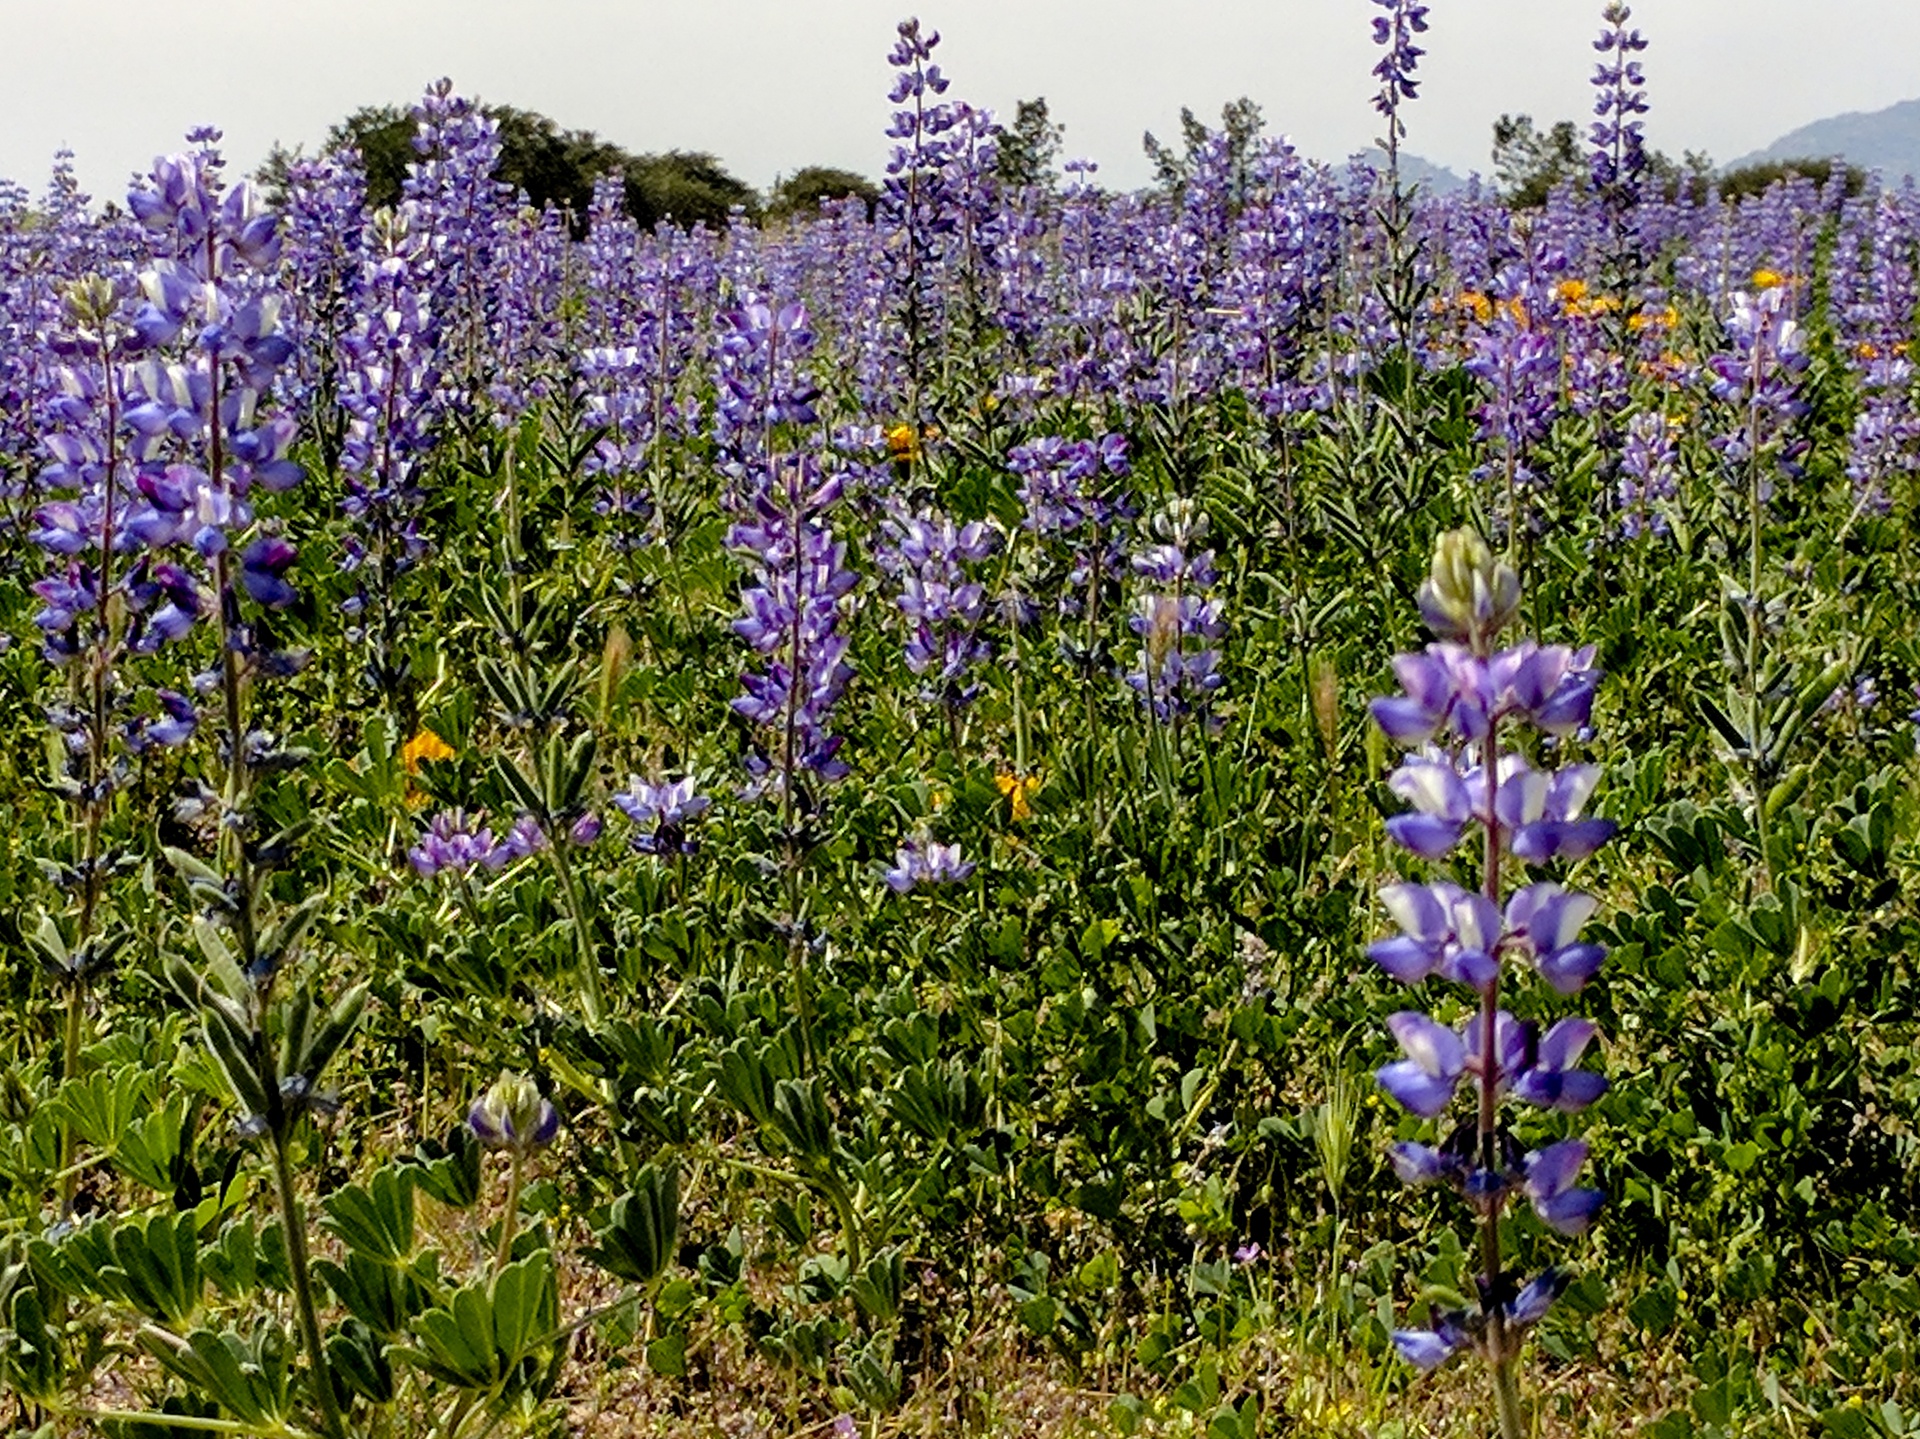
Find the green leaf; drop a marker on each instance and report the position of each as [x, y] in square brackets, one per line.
[638, 1240]
[376, 1221]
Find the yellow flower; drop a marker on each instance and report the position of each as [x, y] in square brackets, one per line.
[1019, 790]
[1664, 318]
[424, 747]
[1476, 305]
[1570, 292]
[902, 444]
[1768, 279]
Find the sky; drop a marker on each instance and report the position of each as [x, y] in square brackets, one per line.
[771, 85]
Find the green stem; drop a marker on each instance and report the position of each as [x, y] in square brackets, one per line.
[69, 1071]
[1756, 760]
[509, 1221]
[94, 1417]
[294, 1223]
[849, 1224]
[591, 992]
[1506, 1398]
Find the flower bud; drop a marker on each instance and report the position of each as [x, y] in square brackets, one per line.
[1470, 595]
[514, 1115]
[90, 302]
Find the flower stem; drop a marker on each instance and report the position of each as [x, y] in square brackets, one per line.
[591, 993]
[1506, 1398]
[509, 1219]
[293, 1221]
[1757, 761]
[1493, 1295]
[69, 1071]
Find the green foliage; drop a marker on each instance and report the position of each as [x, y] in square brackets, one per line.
[685, 187]
[800, 195]
[552, 165]
[1528, 164]
[1241, 122]
[1750, 180]
[637, 1242]
[1029, 148]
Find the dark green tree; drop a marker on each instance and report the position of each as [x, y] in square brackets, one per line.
[545, 162]
[687, 187]
[383, 134]
[1758, 179]
[552, 166]
[1529, 162]
[1029, 147]
[1242, 122]
[800, 195]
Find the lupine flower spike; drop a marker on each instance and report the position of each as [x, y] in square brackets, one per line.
[1460, 694]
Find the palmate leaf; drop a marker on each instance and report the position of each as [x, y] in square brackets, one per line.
[450, 1172]
[375, 1221]
[156, 1266]
[251, 1377]
[383, 1297]
[357, 1355]
[804, 1120]
[638, 1240]
[156, 1148]
[491, 1334]
[101, 1106]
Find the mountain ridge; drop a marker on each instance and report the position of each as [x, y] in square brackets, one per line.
[1886, 140]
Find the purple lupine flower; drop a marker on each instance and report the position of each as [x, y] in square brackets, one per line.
[1465, 693]
[456, 844]
[465, 212]
[1543, 923]
[1618, 160]
[1648, 469]
[1445, 930]
[1885, 441]
[525, 837]
[1518, 360]
[208, 330]
[799, 571]
[1394, 31]
[324, 243]
[1179, 624]
[662, 814]
[934, 561]
[1549, 1183]
[1436, 1060]
[529, 349]
[919, 862]
[390, 392]
[934, 199]
[1757, 377]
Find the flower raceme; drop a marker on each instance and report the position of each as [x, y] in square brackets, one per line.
[1459, 699]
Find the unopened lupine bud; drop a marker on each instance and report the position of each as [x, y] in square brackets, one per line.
[513, 1114]
[1470, 595]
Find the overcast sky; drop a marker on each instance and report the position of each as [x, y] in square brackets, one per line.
[770, 85]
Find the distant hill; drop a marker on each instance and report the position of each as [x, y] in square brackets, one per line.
[1885, 140]
[1437, 179]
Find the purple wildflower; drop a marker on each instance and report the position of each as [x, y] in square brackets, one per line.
[919, 862]
[662, 814]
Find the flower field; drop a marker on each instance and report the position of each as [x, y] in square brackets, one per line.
[1277, 805]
